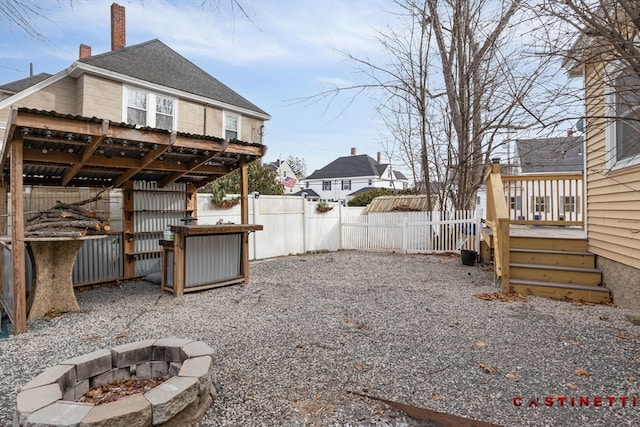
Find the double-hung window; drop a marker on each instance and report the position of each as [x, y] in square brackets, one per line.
[231, 126]
[346, 184]
[326, 185]
[143, 108]
[623, 127]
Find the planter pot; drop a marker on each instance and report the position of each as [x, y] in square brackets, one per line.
[225, 204]
[468, 257]
[324, 209]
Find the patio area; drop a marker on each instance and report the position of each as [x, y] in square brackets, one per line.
[418, 329]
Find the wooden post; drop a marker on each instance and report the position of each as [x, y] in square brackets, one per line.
[179, 260]
[244, 219]
[17, 236]
[191, 202]
[504, 248]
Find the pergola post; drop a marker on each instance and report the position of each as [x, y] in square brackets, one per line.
[17, 237]
[244, 217]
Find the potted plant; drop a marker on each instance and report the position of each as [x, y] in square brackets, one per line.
[323, 206]
[219, 197]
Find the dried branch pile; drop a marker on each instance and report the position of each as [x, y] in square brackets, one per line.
[68, 220]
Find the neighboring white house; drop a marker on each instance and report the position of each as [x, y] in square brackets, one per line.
[348, 176]
[284, 175]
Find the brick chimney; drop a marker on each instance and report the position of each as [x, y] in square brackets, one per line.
[353, 151]
[379, 157]
[85, 51]
[118, 28]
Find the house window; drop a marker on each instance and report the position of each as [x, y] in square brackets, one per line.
[306, 184]
[139, 109]
[346, 184]
[515, 203]
[326, 185]
[623, 131]
[231, 126]
[540, 203]
[568, 204]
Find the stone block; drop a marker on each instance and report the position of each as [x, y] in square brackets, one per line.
[152, 370]
[132, 353]
[171, 397]
[33, 399]
[196, 349]
[201, 368]
[121, 374]
[76, 391]
[59, 414]
[90, 364]
[64, 375]
[169, 349]
[132, 411]
[101, 379]
[174, 369]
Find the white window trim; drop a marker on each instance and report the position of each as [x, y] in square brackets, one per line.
[151, 105]
[612, 164]
[224, 123]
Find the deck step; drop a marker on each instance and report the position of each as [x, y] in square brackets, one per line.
[556, 273]
[548, 243]
[556, 290]
[553, 257]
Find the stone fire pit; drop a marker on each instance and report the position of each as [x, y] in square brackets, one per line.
[51, 398]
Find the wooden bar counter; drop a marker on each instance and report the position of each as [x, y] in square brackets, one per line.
[206, 256]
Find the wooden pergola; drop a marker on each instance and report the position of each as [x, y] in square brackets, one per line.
[46, 148]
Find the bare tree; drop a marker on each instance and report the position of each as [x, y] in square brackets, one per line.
[608, 43]
[298, 165]
[463, 77]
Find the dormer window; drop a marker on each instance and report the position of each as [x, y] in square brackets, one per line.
[143, 108]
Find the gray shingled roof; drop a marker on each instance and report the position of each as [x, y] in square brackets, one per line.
[155, 62]
[352, 166]
[548, 155]
[20, 85]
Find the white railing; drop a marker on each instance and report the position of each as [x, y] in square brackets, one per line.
[412, 232]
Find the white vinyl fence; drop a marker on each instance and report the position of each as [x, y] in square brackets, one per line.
[412, 232]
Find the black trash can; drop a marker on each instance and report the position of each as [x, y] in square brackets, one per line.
[468, 257]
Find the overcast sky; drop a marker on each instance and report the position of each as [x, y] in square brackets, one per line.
[287, 51]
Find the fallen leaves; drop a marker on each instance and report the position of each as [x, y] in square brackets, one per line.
[501, 297]
[480, 343]
[511, 376]
[120, 336]
[436, 396]
[572, 386]
[632, 378]
[582, 372]
[621, 336]
[487, 368]
[118, 389]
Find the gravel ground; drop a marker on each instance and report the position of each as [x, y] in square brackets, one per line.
[309, 329]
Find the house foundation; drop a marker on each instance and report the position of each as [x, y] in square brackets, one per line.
[622, 280]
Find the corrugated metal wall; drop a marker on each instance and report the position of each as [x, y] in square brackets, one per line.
[203, 268]
[153, 209]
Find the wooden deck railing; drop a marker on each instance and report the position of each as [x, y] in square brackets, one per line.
[498, 221]
[545, 199]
